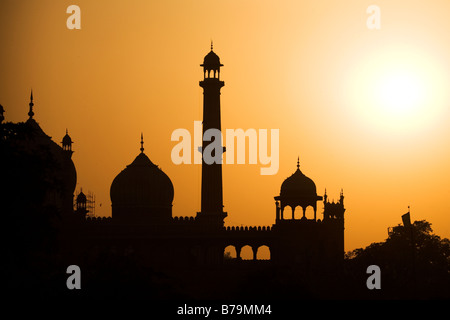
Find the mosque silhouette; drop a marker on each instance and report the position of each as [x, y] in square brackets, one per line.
[143, 228]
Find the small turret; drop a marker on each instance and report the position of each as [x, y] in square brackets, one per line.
[333, 210]
[67, 144]
[81, 204]
[211, 65]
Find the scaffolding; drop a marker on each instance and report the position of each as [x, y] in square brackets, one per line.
[90, 204]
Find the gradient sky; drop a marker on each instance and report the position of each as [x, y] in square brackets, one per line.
[311, 69]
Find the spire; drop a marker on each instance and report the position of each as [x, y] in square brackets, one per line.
[298, 163]
[142, 143]
[31, 104]
[211, 45]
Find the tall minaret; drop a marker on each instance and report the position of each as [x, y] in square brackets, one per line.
[212, 199]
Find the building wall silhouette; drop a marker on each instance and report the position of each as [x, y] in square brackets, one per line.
[142, 225]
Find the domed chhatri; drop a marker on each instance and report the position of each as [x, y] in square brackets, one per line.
[211, 60]
[67, 144]
[67, 140]
[297, 190]
[211, 65]
[81, 198]
[142, 192]
[298, 185]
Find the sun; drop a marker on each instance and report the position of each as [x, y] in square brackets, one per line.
[400, 93]
[398, 90]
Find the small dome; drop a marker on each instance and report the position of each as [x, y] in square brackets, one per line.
[81, 198]
[142, 184]
[298, 185]
[67, 140]
[211, 61]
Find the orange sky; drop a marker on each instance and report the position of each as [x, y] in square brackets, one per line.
[306, 68]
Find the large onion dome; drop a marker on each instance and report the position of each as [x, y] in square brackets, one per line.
[298, 185]
[141, 192]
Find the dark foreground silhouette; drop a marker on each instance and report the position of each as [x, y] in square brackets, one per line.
[414, 262]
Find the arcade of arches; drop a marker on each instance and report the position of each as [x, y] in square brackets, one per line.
[247, 252]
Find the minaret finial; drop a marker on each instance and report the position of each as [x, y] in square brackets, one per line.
[211, 45]
[31, 104]
[142, 143]
[298, 162]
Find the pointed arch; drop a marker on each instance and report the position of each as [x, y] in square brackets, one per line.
[247, 253]
[263, 253]
[229, 253]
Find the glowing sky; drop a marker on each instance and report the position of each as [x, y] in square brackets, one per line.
[365, 110]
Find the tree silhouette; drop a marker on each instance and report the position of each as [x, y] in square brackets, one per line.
[414, 263]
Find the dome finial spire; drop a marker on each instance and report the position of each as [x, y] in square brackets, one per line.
[142, 143]
[31, 104]
[211, 45]
[298, 162]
